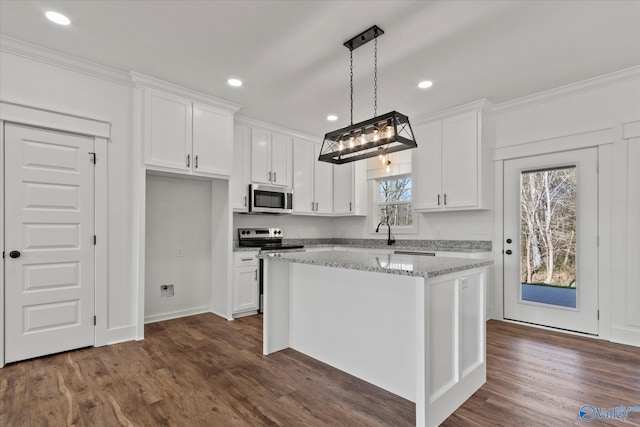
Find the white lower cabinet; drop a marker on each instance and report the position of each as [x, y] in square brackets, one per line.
[245, 284]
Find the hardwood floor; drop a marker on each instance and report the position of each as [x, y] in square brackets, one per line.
[206, 371]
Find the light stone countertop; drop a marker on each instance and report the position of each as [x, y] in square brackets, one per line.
[407, 265]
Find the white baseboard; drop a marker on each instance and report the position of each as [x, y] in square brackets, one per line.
[627, 336]
[176, 314]
[118, 335]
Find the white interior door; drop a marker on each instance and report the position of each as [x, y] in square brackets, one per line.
[550, 247]
[49, 242]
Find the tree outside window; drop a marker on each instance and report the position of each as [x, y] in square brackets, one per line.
[394, 200]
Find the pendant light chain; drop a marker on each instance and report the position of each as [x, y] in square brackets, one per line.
[375, 75]
[351, 77]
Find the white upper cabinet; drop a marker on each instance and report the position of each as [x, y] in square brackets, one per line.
[184, 136]
[271, 158]
[448, 164]
[350, 188]
[323, 184]
[241, 173]
[312, 181]
[168, 130]
[460, 161]
[303, 200]
[212, 140]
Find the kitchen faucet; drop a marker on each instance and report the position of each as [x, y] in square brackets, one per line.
[385, 221]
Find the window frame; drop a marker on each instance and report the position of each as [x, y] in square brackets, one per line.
[375, 205]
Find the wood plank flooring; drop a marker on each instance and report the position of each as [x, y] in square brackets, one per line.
[205, 371]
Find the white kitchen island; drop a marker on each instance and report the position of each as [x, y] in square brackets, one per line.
[412, 325]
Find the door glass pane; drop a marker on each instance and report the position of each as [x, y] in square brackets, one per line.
[548, 236]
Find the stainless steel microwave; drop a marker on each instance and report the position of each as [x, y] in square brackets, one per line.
[270, 199]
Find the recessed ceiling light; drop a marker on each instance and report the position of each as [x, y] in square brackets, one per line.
[332, 117]
[58, 18]
[425, 84]
[234, 82]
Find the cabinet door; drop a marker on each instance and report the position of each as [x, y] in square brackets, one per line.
[168, 130]
[245, 292]
[460, 158]
[427, 168]
[239, 182]
[281, 159]
[323, 185]
[212, 140]
[302, 177]
[260, 156]
[343, 189]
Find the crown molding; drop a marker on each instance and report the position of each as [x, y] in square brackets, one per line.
[481, 104]
[248, 121]
[142, 80]
[627, 74]
[63, 60]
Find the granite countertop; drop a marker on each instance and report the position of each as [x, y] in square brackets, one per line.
[407, 265]
[471, 246]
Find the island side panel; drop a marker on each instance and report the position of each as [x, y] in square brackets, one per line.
[276, 317]
[455, 329]
[360, 322]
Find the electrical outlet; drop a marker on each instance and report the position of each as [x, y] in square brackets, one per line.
[178, 251]
[166, 291]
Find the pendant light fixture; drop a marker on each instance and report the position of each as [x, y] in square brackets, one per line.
[378, 136]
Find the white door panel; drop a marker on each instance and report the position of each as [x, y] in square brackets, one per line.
[49, 288]
[570, 300]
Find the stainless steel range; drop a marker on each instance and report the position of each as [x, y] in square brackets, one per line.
[268, 240]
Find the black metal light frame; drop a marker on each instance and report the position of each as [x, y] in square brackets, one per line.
[381, 135]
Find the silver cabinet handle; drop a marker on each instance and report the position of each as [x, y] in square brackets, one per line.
[196, 161]
[350, 206]
[246, 259]
[275, 176]
[445, 199]
[438, 199]
[255, 275]
[312, 208]
[188, 160]
[316, 206]
[269, 176]
[245, 201]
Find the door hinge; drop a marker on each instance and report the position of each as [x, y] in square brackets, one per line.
[95, 240]
[93, 157]
[95, 320]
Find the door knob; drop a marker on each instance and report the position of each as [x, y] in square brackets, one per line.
[14, 254]
[508, 252]
[509, 240]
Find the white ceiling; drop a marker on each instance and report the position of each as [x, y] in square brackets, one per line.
[296, 71]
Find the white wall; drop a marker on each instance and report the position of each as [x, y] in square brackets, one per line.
[178, 247]
[294, 226]
[41, 84]
[574, 113]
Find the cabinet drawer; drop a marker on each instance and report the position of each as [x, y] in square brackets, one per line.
[246, 259]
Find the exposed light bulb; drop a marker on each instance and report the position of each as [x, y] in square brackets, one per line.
[363, 139]
[340, 146]
[383, 159]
